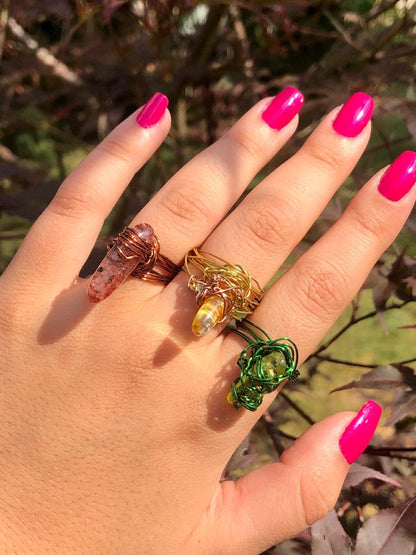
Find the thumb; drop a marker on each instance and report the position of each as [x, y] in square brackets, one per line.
[279, 500]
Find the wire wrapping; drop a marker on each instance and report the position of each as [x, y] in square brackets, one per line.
[146, 249]
[240, 292]
[255, 379]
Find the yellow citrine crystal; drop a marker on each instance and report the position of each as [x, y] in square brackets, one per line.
[210, 312]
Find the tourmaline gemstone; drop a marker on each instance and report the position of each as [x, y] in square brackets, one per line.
[115, 268]
[210, 312]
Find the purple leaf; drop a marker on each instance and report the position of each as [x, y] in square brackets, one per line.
[358, 473]
[389, 532]
[329, 537]
[384, 377]
[401, 411]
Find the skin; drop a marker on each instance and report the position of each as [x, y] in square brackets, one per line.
[115, 428]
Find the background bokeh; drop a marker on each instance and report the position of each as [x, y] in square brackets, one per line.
[71, 70]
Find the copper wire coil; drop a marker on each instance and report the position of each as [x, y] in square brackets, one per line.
[151, 265]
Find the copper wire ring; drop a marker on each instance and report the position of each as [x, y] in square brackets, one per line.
[134, 251]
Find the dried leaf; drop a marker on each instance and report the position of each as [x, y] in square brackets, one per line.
[358, 473]
[384, 377]
[329, 537]
[390, 531]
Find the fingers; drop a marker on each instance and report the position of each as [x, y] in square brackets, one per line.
[192, 203]
[275, 216]
[277, 501]
[61, 239]
[307, 299]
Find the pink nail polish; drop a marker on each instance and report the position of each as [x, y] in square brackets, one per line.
[283, 108]
[354, 115]
[360, 430]
[400, 177]
[153, 110]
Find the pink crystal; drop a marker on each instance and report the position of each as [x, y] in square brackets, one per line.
[115, 268]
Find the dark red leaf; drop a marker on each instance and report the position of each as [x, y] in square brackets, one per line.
[358, 473]
[389, 532]
[384, 377]
[329, 537]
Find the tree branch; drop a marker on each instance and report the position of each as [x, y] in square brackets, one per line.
[351, 323]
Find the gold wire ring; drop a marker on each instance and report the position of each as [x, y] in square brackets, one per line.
[223, 290]
[134, 251]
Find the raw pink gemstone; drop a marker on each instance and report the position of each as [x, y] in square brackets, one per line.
[110, 274]
[115, 268]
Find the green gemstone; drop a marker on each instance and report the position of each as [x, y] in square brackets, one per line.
[274, 364]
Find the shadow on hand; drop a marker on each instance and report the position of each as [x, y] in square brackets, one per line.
[180, 324]
[221, 415]
[67, 310]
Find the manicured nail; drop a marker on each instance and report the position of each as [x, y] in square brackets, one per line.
[283, 108]
[354, 115]
[400, 177]
[358, 433]
[153, 110]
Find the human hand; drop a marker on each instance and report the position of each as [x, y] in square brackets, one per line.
[115, 425]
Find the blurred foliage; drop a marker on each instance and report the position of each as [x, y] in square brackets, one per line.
[71, 70]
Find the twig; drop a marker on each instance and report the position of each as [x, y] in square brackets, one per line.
[4, 14]
[377, 450]
[384, 140]
[45, 57]
[341, 31]
[361, 364]
[273, 432]
[380, 9]
[296, 407]
[352, 322]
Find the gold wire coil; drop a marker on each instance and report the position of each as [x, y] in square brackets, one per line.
[223, 290]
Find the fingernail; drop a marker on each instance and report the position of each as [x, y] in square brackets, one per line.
[400, 177]
[354, 115]
[153, 110]
[358, 433]
[283, 108]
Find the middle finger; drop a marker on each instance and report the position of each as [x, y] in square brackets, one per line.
[275, 216]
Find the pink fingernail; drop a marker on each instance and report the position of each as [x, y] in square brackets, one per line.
[354, 115]
[153, 110]
[283, 108]
[400, 177]
[358, 433]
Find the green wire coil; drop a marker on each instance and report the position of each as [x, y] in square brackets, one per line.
[264, 364]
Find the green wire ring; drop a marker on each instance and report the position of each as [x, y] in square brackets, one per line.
[264, 364]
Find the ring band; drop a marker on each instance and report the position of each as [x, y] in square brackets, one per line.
[222, 290]
[134, 251]
[264, 364]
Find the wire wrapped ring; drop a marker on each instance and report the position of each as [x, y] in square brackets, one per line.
[264, 364]
[223, 290]
[134, 251]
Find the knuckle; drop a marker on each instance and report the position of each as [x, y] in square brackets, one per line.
[118, 149]
[71, 203]
[323, 157]
[321, 288]
[367, 222]
[316, 499]
[266, 225]
[246, 144]
[186, 205]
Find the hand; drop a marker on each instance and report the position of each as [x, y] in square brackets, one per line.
[115, 425]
